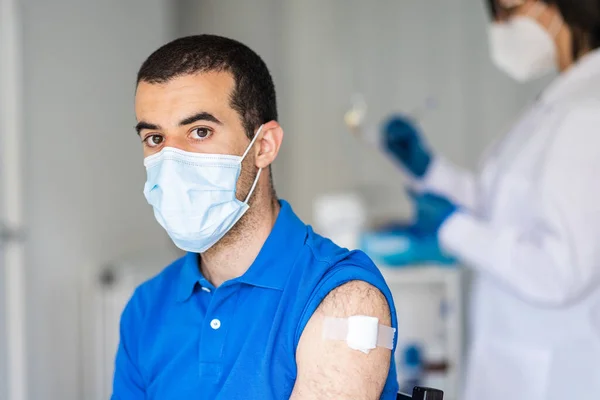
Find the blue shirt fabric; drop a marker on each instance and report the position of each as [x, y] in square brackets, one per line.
[183, 338]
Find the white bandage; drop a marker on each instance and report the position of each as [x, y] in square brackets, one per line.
[360, 332]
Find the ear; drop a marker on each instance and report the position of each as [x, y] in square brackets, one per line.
[268, 144]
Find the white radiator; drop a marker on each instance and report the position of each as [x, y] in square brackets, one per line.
[104, 297]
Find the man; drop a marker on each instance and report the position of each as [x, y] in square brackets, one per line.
[258, 307]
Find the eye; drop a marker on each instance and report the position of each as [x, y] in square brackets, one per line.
[201, 133]
[153, 140]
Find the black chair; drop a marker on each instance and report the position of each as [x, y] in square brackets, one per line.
[422, 393]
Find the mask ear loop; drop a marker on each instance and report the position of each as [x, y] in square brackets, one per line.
[259, 170]
[253, 185]
[252, 142]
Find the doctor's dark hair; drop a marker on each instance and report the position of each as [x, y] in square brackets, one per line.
[253, 96]
[582, 16]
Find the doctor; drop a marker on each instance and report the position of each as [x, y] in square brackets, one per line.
[529, 222]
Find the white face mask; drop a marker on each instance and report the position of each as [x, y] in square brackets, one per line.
[193, 195]
[522, 48]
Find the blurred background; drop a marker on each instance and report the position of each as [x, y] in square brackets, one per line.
[74, 216]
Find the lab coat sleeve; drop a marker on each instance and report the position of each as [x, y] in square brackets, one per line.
[449, 180]
[554, 257]
[128, 383]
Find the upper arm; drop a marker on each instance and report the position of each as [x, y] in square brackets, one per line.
[128, 382]
[449, 180]
[550, 255]
[329, 369]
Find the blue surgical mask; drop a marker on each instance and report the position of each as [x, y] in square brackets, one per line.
[193, 195]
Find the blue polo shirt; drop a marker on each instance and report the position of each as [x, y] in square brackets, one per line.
[182, 338]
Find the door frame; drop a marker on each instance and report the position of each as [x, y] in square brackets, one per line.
[11, 213]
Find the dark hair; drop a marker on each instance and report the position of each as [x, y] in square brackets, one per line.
[254, 94]
[582, 16]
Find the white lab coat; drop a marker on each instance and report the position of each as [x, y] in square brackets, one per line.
[531, 230]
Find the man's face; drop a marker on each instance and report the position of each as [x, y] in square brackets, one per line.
[193, 113]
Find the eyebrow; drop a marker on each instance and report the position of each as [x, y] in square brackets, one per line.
[145, 125]
[201, 116]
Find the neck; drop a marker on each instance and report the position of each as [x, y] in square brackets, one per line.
[233, 255]
[564, 47]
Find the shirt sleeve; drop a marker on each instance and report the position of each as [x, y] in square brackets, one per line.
[554, 256]
[448, 180]
[128, 383]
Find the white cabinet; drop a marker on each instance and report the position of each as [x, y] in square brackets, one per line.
[429, 305]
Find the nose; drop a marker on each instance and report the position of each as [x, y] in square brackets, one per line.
[165, 186]
[178, 142]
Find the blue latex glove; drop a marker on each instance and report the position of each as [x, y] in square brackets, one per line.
[404, 141]
[431, 211]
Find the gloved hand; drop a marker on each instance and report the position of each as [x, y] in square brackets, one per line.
[431, 211]
[403, 140]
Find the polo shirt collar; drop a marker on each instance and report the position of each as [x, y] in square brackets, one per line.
[275, 260]
[190, 276]
[271, 267]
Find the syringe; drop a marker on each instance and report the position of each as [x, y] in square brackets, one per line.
[355, 117]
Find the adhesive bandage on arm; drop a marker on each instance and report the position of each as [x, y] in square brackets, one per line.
[360, 332]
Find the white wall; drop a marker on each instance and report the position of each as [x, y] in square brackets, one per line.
[398, 53]
[84, 173]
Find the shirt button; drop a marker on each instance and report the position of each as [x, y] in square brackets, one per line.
[206, 289]
[215, 324]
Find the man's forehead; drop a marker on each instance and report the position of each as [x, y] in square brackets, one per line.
[206, 90]
[212, 83]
